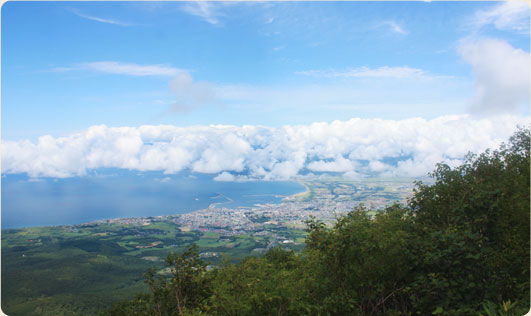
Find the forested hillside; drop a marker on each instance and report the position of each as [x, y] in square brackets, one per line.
[459, 247]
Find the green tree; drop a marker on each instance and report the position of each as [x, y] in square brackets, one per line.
[259, 286]
[360, 266]
[184, 292]
[472, 227]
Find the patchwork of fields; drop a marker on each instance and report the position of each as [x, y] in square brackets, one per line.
[77, 270]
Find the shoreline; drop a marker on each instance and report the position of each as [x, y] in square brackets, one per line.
[173, 214]
[213, 205]
[301, 195]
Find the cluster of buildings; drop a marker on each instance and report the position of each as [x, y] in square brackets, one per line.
[324, 201]
[245, 220]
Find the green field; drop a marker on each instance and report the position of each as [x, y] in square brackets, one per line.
[78, 270]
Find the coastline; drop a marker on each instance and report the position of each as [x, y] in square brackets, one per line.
[173, 203]
[301, 195]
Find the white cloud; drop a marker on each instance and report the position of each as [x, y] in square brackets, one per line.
[395, 27]
[101, 20]
[510, 15]
[339, 164]
[119, 68]
[203, 9]
[377, 166]
[501, 75]
[381, 72]
[232, 157]
[225, 177]
[355, 147]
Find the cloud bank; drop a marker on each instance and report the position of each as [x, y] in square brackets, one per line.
[356, 147]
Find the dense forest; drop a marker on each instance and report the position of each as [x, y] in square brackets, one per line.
[459, 247]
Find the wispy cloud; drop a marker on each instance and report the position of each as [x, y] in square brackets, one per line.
[101, 20]
[118, 68]
[509, 15]
[395, 27]
[205, 10]
[189, 94]
[381, 72]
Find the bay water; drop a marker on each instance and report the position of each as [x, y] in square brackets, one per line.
[117, 193]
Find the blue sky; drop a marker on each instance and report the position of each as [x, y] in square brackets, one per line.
[67, 66]
[254, 46]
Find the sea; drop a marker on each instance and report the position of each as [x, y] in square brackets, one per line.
[118, 193]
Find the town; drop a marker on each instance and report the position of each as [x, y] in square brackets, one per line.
[324, 200]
